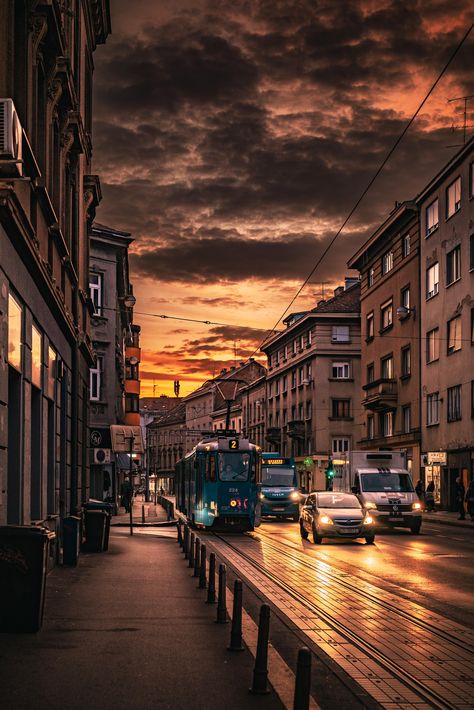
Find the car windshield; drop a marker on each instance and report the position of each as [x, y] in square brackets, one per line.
[386, 483]
[337, 500]
[233, 466]
[277, 476]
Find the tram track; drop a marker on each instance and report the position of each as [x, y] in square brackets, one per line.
[408, 679]
[426, 626]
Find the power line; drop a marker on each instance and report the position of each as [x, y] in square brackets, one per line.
[369, 185]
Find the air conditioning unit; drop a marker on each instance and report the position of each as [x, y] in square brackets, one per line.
[11, 139]
[101, 456]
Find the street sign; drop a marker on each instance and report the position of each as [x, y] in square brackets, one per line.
[121, 436]
[437, 457]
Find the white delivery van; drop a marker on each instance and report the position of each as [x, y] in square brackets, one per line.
[383, 485]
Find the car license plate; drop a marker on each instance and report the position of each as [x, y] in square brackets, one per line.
[394, 518]
[350, 531]
[278, 508]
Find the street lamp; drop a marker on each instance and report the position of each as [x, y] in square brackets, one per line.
[129, 301]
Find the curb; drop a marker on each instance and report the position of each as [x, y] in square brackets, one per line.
[165, 524]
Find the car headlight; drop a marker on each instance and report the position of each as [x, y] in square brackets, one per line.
[416, 506]
[370, 505]
[368, 520]
[325, 520]
[294, 495]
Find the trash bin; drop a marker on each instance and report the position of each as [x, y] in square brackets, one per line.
[103, 506]
[24, 553]
[71, 540]
[95, 523]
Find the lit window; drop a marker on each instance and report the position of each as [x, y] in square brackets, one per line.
[36, 346]
[387, 262]
[432, 409]
[405, 245]
[15, 313]
[51, 371]
[432, 219]
[453, 197]
[453, 265]
[454, 403]
[340, 334]
[95, 290]
[454, 334]
[340, 370]
[432, 281]
[432, 345]
[386, 315]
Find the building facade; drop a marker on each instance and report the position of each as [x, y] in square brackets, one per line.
[389, 267]
[166, 439]
[447, 325]
[312, 393]
[48, 198]
[111, 295]
[253, 411]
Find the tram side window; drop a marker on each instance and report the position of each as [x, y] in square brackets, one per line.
[211, 469]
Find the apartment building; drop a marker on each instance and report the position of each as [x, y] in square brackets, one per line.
[254, 407]
[48, 199]
[313, 380]
[447, 324]
[167, 441]
[389, 266]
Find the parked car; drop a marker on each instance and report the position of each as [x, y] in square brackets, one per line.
[333, 514]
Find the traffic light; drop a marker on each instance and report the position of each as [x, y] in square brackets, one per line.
[329, 475]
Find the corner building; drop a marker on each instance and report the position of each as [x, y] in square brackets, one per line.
[48, 197]
[447, 325]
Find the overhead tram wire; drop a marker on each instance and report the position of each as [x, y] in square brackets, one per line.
[369, 185]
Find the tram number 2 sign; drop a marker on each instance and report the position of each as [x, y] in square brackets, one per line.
[233, 444]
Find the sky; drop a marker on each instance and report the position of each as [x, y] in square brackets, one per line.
[233, 137]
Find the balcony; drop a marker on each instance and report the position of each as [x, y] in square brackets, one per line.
[132, 351]
[273, 435]
[132, 386]
[380, 395]
[296, 429]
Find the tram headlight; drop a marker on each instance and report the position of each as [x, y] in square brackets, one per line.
[294, 495]
[233, 503]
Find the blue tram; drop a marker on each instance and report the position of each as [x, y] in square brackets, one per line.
[280, 492]
[217, 485]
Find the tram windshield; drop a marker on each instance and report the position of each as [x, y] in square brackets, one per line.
[278, 476]
[233, 466]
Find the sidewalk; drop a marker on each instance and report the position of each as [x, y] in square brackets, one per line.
[127, 629]
[152, 514]
[445, 517]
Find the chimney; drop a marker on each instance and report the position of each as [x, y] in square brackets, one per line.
[320, 303]
[223, 371]
[338, 290]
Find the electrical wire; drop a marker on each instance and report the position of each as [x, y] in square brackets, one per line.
[369, 185]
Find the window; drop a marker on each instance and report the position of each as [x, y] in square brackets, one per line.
[406, 413]
[432, 219]
[453, 265]
[432, 281]
[386, 367]
[285, 352]
[308, 409]
[370, 427]
[471, 252]
[340, 334]
[294, 347]
[95, 380]
[370, 373]
[131, 403]
[432, 409]
[406, 361]
[453, 197]
[301, 341]
[300, 375]
[387, 262]
[454, 334]
[432, 345]
[340, 370]
[51, 372]
[386, 423]
[341, 408]
[405, 297]
[270, 389]
[405, 245]
[340, 445]
[36, 347]
[308, 371]
[15, 313]
[369, 326]
[370, 277]
[386, 315]
[95, 290]
[277, 387]
[131, 371]
[284, 383]
[309, 337]
[454, 403]
[293, 379]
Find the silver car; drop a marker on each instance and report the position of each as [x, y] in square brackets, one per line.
[331, 514]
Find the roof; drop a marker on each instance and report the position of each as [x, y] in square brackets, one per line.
[174, 416]
[102, 232]
[348, 301]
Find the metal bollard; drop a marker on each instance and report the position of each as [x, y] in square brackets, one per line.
[191, 551]
[221, 599]
[211, 589]
[303, 680]
[178, 529]
[186, 542]
[197, 557]
[260, 671]
[202, 569]
[236, 631]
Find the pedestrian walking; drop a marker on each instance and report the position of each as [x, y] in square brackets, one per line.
[430, 498]
[470, 499]
[126, 491]
[459, 493]
[420, 490]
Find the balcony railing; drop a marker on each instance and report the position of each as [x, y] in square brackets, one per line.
[380, 394]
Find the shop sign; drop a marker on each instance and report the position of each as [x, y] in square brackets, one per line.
[437, 457]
